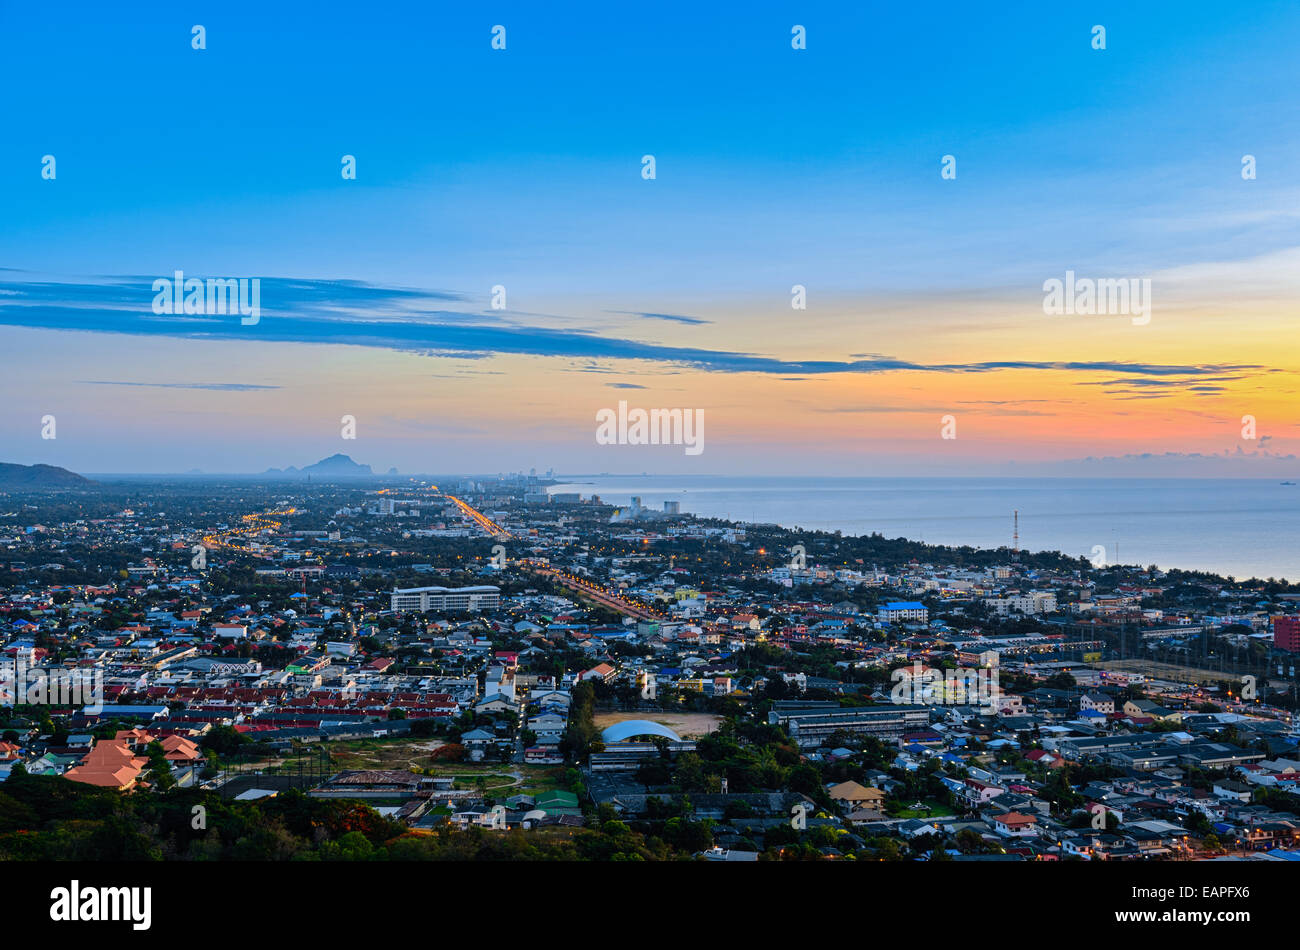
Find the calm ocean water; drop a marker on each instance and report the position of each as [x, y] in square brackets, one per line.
[1232, 526]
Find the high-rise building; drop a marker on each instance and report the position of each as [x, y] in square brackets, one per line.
[1286, 633]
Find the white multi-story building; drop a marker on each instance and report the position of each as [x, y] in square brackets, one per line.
[903, 610]
[1034, 602]
[424, 599]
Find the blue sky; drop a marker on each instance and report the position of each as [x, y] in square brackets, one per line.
[522, 167]
[470, 158]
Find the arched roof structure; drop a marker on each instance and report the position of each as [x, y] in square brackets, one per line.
[637, 727]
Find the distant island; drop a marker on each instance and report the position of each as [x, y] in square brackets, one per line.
[337, 465]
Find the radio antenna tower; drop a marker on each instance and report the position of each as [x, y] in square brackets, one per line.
[1015, 532]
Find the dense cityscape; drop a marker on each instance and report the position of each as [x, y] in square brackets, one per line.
[341, 666]
[806, 451]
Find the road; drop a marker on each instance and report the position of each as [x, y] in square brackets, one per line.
[600, 595]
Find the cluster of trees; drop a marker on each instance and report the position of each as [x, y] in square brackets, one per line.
[582, 737]
[750, 756]
[47, 818]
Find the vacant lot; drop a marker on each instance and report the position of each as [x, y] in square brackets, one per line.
[382, 753]
[1168, 671]
[684, 724]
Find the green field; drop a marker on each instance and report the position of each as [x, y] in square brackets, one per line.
[931, 810]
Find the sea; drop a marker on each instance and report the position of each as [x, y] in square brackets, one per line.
[1237, 527]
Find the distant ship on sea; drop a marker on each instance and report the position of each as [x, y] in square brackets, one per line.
[1288, 483]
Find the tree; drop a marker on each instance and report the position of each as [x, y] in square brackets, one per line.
[225, 740]
[353, 846]
[159, 770]
[686, 835]
[969, 841]
[804, 779]
[690, 772]
[1058, 791]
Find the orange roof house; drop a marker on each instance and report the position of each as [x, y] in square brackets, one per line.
[180, 749]
[853, 793]
[109, 764]
[133, 738]
[602, 670]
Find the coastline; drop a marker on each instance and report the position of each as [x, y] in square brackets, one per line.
[1137, 521]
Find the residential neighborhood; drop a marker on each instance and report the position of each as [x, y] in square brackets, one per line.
[635, 679]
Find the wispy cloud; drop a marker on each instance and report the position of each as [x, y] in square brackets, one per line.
[215, 387]
[676, 318]
[1159, 388]
[991, 410]
[357, 314]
